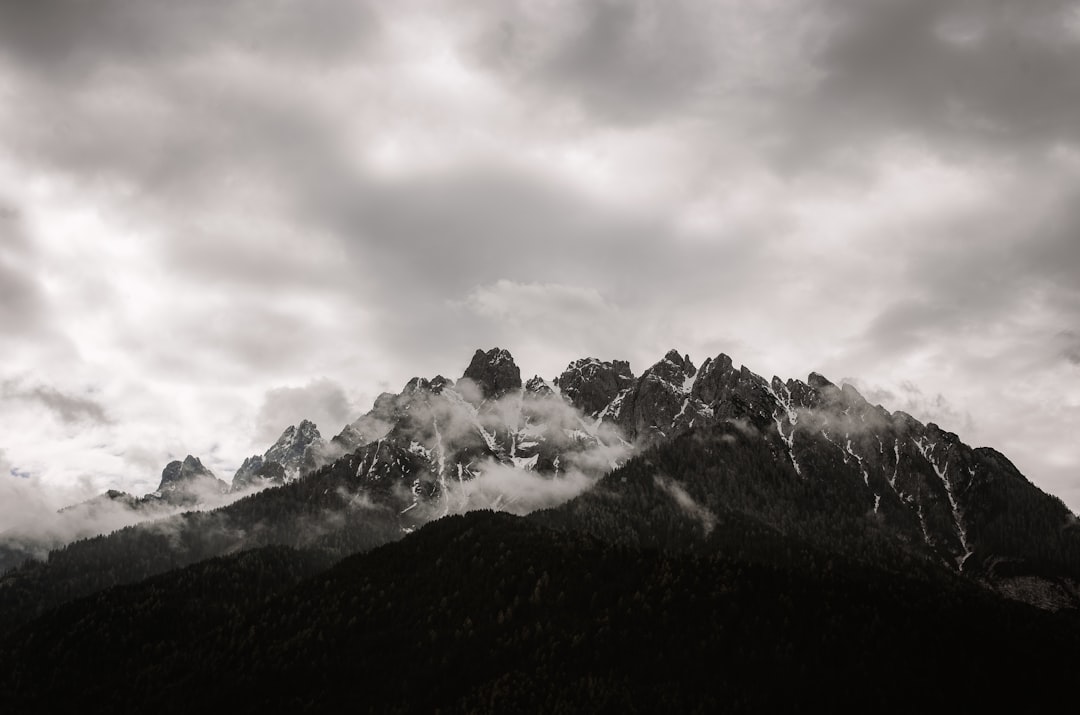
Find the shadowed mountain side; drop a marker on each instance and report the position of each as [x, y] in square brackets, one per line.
[737, 465]
[324, 511]
[490, 613]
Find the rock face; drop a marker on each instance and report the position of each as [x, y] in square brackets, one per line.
[494, 372]
[188, 482]
[435, 435]
[177, 473]
[298, 450]
[963, 507]
[657, 406]
[592, 385]
[539, 387]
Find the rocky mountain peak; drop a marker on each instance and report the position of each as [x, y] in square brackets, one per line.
[673, 368]
[297, 435]
[188, 482]
[538, 386]
[591, 385]
[293, 448]
[494, 372]
[176, 472]
[435, 385]
[299, 449]
[439, 383]
[682, 361]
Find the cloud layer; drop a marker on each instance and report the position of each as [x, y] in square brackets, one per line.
[215, 217]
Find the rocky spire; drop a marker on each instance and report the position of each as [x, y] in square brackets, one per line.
[177, 472]
[298, 450]
[494, 372]
[188, 482]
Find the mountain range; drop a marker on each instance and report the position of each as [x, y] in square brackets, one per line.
[683, 467]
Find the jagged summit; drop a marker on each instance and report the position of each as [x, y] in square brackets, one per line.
[674, 368]
[919, 483]
[188, 482]
[721, 445]
[291, 446]
[593, 385]
[177, 472]
[537, 385]
[494, 372]
[299, 449]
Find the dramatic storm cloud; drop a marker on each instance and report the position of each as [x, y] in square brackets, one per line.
[217, 218]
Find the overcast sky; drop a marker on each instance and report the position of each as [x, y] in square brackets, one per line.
[217, 218]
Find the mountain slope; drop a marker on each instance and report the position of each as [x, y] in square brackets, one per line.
[833, 458]
[803, 465]
[488, 612]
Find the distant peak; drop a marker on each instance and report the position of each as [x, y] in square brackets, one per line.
[435, 385]
[538, 386]
[675, 356]
[306, 431]
[438, 383]
[674, 368]
[818, 381]
[680, 361]
[176, 471]
[494, 356]
[494, 372]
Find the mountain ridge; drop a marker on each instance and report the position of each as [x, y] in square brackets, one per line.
[440, 447]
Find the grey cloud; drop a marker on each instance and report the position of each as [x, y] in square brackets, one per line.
[1054, 248]
[178, 137]
[22, 301]
[425, 244]
[620, 60]
[907, 323]
[632, 62]
[480, 224]
[264, 261]
[71, 409]
[959, 73]
[324, 402]
[223, 334]
[983, 270]
[73, 37]
[1070, 339]
[818, 76]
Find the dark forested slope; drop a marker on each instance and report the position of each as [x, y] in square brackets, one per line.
[489, 612]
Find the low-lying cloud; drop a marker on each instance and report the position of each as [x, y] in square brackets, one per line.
[504, 488]
[686, 502]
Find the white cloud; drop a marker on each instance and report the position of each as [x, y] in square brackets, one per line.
[198, 207]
